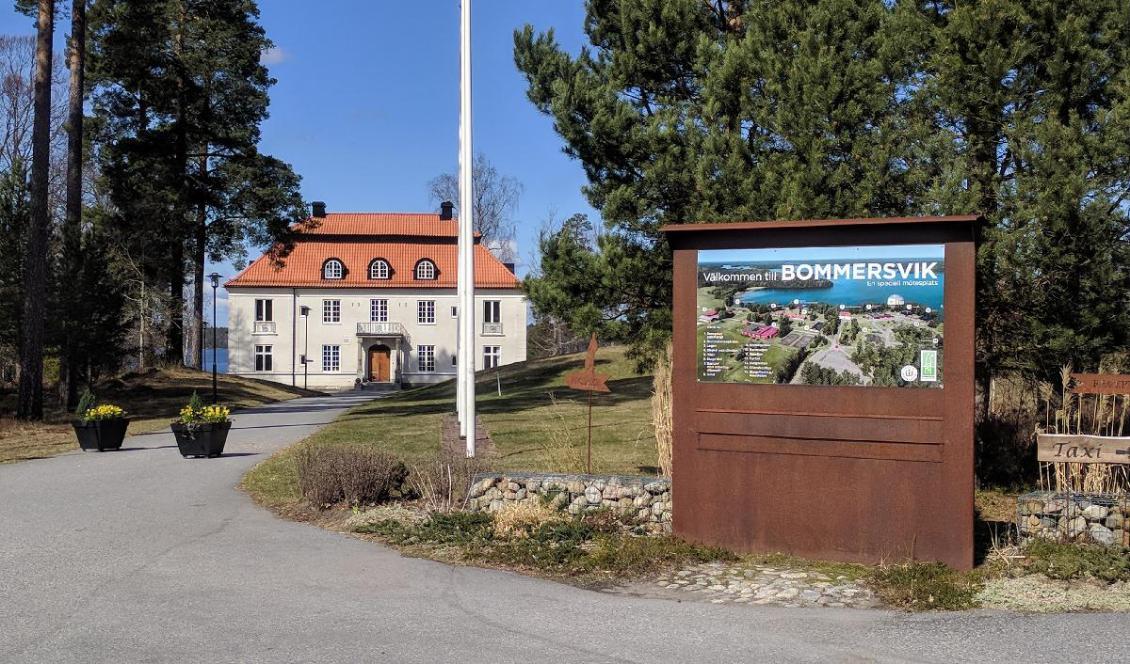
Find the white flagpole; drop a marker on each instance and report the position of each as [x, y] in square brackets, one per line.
[466, 349]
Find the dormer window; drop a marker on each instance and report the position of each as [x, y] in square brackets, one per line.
[379, 269]
[425, 270]
[333, 269]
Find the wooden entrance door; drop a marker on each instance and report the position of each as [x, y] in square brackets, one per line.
[380, 363]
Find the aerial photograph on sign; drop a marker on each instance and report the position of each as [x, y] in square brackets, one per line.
[869, 315]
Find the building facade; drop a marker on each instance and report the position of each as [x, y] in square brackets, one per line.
[369, 299]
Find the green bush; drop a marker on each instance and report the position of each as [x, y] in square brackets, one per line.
[926, 587]
[593, 543]
[1067, 561]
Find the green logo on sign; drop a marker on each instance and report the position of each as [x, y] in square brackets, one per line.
[928, 360]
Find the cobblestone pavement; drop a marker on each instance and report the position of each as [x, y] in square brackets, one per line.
[725, 583]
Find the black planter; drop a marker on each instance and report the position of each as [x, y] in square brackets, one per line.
[101, 435]
[202, 440]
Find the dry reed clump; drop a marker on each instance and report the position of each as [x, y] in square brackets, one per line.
[518, 520]
[661, 411]
[1085, 414]
[444, 483]
[562, 446]
[356, 475]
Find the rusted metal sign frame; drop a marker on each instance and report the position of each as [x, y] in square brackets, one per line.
[841, 473]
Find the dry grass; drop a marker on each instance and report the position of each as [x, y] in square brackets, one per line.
[563, 447]
[661, 416]
[518, 520]
[151, 399]
[444, 483]
[1093, 414]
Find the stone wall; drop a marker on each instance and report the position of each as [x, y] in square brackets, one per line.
[645, 500]
[1073, 517]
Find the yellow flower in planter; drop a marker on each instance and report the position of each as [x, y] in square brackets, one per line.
[215, 414]
[103, 412]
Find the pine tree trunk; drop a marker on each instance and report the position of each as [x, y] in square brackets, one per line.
[30, 405]
[174, 340]
[175, 343]
[72, 227]
[199, 255]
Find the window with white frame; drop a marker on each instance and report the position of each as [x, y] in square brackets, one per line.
[331, 358]
[492, 356]
[378, 311]
[492, 311]
[492, 317]
[333, 269]
[264, 310]
[425, 270]
[263, 358]
[379, 269]
[426, 312]
[331, 311]
[426, 358]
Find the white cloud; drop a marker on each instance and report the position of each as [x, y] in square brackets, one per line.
[273, 56]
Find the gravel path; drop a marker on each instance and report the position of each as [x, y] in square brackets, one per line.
[141, 556]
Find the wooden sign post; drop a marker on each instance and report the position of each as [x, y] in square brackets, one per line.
[588, 380]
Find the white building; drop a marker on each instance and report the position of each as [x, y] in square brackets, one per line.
[369, 298]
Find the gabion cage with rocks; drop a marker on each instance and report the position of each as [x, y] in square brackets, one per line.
[1073, 517]
[638, 499]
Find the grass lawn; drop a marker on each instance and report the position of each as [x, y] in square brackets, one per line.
[537, 424]
[152, 399]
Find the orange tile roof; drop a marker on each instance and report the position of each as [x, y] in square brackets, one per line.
[383, 224]
[356, 239]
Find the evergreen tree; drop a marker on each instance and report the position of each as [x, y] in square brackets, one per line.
[30, 403]
[180, 93]
[1025, 107]
[72, 224]
[685, 111]
[15, 216]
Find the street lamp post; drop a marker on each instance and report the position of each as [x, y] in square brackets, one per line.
[215, 278]
[305, 346]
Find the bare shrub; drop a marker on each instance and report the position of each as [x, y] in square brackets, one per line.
[517, 520]
[661, 411]
[356, 475]
[562, 446]
[443, 483]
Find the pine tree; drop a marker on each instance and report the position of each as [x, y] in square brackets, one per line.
[72, 224]
[685, 111]
[180, 93]
[30, 403]
[1025, 106]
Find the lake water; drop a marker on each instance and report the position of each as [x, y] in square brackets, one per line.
[850, 292]
[221, 359]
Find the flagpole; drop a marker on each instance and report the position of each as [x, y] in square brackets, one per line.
[466, 347]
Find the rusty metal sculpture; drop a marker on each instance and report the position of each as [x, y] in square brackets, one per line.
[588, 380]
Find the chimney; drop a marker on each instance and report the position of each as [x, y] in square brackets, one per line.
[445, 211]
[318, 209]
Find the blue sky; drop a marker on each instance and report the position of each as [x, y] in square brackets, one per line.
[366, 107]
[811, 254]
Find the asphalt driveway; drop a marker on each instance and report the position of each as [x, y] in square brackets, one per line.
[142, 556]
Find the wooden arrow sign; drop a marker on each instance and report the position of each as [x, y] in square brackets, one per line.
[1068, 448]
